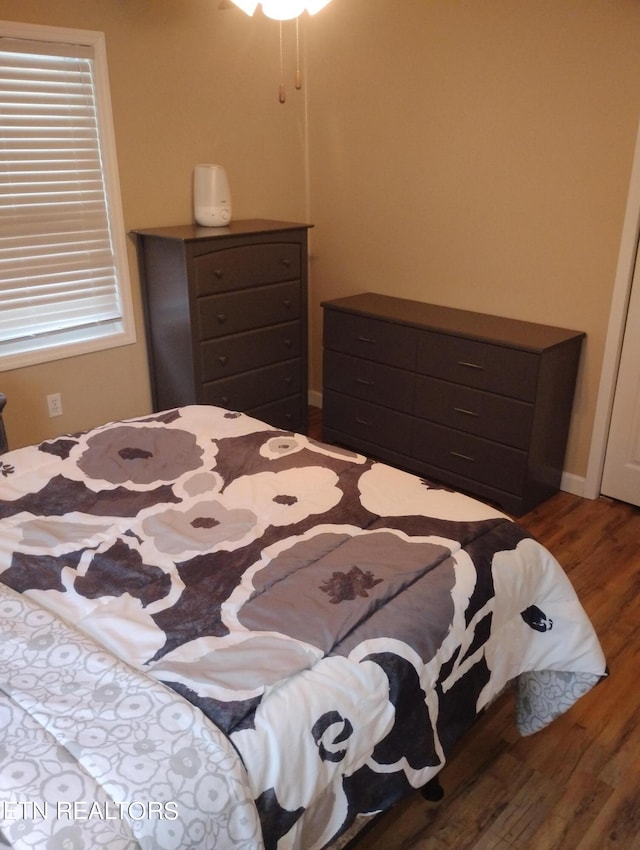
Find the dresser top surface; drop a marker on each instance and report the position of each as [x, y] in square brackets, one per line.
[241, 227]
[450, 320]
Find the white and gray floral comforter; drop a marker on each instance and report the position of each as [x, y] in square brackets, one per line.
[94, 754]
[194, 585]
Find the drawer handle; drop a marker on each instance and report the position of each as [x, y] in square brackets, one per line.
[462, 457]
[469, 365]
[288, 380]
[218, 273]
[363, 422]
[364, 382]
[223, 359]
[221, 317]
[225, 400]
[287, 303]
[285, 262]
[465, 411]
[366, 339]
[287, 342]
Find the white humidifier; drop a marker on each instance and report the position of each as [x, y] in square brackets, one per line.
[211, 196]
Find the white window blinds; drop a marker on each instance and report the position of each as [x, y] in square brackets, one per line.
[59, 274]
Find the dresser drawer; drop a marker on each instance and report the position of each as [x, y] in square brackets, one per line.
[372, 339]
[254, 388]
[285, 413]
[233, 312]
[508, 371]
[232, 354]
[473, 457]
[505, 420]
[367, 380]
[246, 266]
[364, 421]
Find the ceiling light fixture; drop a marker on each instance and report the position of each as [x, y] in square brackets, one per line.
[282, 10]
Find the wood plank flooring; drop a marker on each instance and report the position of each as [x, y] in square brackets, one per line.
[576, 784]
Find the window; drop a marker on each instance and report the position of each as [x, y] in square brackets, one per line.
[64, 284]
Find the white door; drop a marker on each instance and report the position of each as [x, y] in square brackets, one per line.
[621, 477]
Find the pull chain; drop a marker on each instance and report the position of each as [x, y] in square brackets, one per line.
[281, 92]
[298, 72]
[282, 95]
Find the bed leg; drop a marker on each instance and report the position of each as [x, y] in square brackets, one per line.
[433, 791]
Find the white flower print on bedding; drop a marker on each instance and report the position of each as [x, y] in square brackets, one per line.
[391, 492]
[126, 729]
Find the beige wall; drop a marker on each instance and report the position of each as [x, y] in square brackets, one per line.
[189, 83]
[473, 154]
[478, 155]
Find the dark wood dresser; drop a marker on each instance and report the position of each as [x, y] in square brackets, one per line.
[477, 402]
[226, 317]
[4, 445]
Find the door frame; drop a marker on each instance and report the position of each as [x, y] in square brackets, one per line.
[629, 249]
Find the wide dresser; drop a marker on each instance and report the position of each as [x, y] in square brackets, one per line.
[473, 401]
[226, 317]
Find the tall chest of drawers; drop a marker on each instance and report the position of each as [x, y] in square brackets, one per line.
[477, 402]
[226, 317]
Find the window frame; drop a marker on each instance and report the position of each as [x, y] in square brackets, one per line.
[103, 338]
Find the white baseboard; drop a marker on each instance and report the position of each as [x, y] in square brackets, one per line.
[572, 483]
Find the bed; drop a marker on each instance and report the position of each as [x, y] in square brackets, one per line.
[216, 634]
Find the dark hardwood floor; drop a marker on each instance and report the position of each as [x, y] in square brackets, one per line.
[576, 784]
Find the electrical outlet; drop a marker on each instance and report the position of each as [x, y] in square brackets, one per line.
[54, 402]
